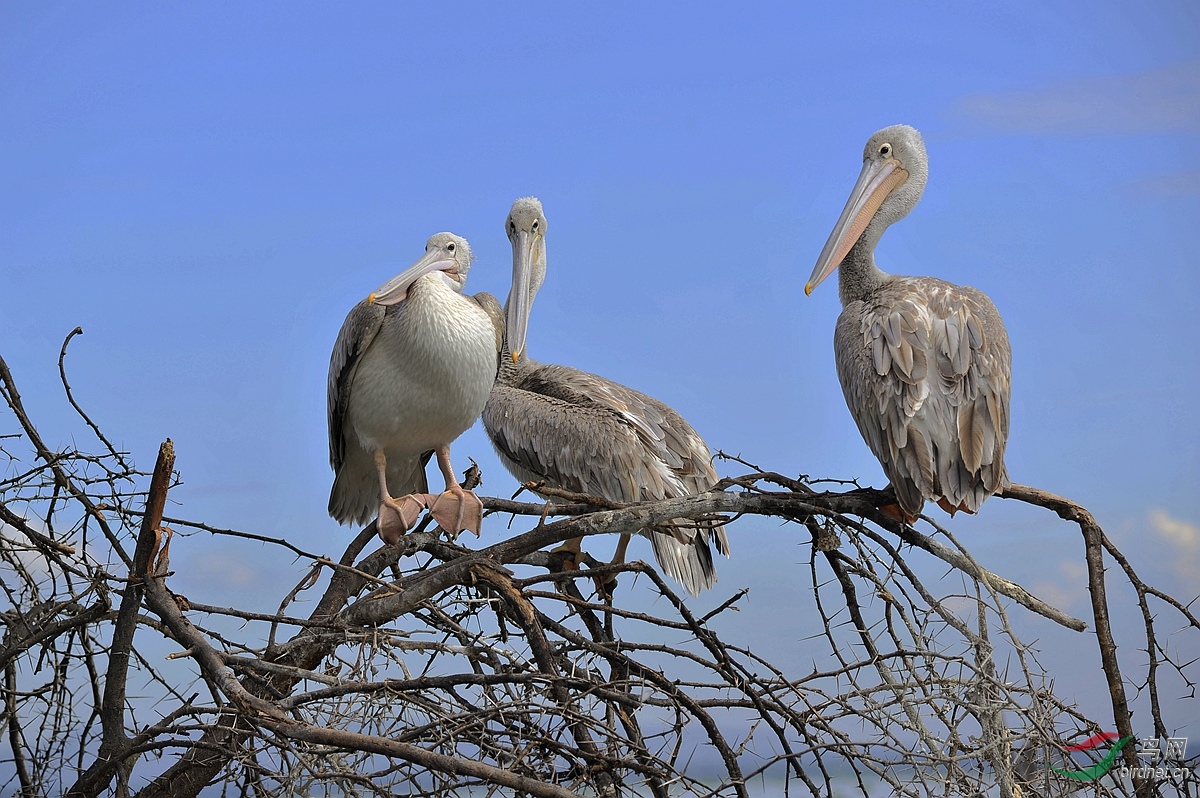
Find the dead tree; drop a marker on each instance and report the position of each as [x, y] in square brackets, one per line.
[432, 668]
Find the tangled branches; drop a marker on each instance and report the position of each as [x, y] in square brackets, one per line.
[430, 667]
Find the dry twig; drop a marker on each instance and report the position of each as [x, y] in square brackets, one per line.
[459, 668]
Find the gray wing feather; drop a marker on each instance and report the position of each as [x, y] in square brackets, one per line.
[925, 367]
[583, 433]
[358, 331]
[491, 306]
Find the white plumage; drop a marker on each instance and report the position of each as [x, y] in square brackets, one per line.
[407, 376]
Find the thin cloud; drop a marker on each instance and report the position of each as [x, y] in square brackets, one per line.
[1069, 590]
[1165, 100]
[1182, 540]
[25, 554]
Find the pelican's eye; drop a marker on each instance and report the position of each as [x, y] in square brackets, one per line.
[885, 150]
[535, 225]
[450, 246]
[512, 226]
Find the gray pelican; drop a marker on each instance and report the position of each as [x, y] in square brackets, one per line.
[586, 434]
[410, 372]
[924, 364]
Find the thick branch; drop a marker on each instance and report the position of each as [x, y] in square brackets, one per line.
[1093, 539]
[112, 710]
[861, 503]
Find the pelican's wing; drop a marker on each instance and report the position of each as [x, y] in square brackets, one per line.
[925, 367]
[590, 435]
[565, 424]
[357, 333]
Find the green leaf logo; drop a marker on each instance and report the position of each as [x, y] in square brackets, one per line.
[1100, 768]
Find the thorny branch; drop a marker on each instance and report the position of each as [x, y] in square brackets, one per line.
[431, 668]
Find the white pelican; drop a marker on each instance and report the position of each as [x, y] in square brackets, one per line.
[586, 434]
[924, 364]
[410, 372]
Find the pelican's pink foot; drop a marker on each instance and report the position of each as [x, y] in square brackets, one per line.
[573, 552]
[897, 513]
[396, 516]
[457, 509]
[573, 559]
[945, 504]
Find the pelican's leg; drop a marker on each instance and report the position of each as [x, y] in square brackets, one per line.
[395, 517]
[607, 584]
[622, 547]
[455, 509]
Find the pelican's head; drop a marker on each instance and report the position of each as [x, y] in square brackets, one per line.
[446, 255]
[895, 169]
[526, 228]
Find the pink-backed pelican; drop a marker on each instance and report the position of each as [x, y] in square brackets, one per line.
[411, 370]
[924, 364]
[580, 432]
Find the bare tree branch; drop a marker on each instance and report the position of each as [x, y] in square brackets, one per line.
[433, 668]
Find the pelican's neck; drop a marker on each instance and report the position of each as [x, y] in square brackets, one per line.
[431, 302]
[509, 371]
[858, 276]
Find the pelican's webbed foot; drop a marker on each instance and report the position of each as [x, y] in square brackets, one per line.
[457, 509]
[606, 587]
[894, 510]
[573, 558]
[897, 513]
[572, 551]
[396, 516]
[945, 504]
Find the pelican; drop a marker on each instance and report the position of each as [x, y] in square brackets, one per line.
[924, 364]
[411, 370]
[579, 432]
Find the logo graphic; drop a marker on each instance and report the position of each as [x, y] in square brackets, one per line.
[1100, 768]
[1155, 753]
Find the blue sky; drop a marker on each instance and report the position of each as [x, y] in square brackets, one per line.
[207, 188]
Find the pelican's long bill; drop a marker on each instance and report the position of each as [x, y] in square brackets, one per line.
[875, 182]
[396, 289]
[524, 254]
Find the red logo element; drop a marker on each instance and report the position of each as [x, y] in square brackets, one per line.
[1092, 741]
